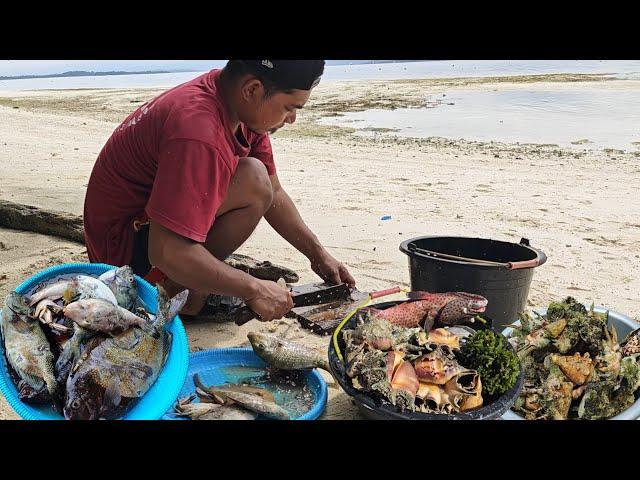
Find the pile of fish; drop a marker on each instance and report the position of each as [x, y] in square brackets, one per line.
[248, 402]
[396, 355]
[574, 366]
[86, 345]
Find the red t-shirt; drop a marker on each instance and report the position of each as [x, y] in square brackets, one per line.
[171, 160]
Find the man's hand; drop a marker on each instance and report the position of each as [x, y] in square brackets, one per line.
[331, 270]
[270, 301]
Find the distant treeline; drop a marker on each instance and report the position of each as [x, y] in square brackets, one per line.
[81, 73]
[360, 62]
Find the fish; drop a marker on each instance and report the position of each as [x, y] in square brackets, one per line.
[262, 392]
[102, 316]
[80, 287]
[424, 308]
[212, 411]
[122, 282]
[286, 355]
[252, 402]
[119, 370]
[71, 352]
[456, 306]
[28, 352]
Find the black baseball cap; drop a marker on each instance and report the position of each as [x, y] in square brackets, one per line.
[287, 74]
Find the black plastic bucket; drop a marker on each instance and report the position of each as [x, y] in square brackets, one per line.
[506, 286]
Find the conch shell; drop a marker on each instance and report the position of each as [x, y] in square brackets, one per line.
[393, 359]
[435, 367]
[473, 401]
[432, 396]
[461, 386]
[405, 378]
[442, 336]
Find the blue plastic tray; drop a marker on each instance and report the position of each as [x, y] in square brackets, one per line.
[212, 366]
[162, 394]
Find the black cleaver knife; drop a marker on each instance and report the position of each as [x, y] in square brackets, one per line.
[242, 315]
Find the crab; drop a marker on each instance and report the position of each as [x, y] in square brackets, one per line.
[557, 394]
[607, 362]
[543, 336]
[44, 312]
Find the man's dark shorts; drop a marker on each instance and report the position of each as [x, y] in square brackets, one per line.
[142, 267]
[140, 263]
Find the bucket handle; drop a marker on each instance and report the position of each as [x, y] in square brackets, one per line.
[541, 260]
[525, 264]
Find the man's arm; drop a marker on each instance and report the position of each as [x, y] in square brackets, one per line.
[285, 219]
[191, 265]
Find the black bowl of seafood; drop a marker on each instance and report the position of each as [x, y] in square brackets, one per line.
[580, 362]
[431, 357]
[89, 341]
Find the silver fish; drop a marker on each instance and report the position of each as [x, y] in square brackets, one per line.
[286, 355]
[252, 402]
[80, 287]
[203, 391]
[102, 316]
[212, 411]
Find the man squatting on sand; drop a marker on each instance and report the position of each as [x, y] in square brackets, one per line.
[185, 179]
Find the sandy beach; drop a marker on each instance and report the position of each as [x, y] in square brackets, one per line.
[579, 206]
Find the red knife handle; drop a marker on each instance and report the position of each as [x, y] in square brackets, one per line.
[382, 293]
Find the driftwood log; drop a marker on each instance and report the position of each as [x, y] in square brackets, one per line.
[264, 270]
[34, 219]
[68, 226]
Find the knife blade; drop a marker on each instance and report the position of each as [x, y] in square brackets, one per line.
[244, 314]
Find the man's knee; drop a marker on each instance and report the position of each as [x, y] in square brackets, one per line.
[253, 174]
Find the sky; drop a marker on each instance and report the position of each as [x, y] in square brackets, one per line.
[45, 67]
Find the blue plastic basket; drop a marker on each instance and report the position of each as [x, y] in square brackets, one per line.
[209, 364]
[162, 394]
